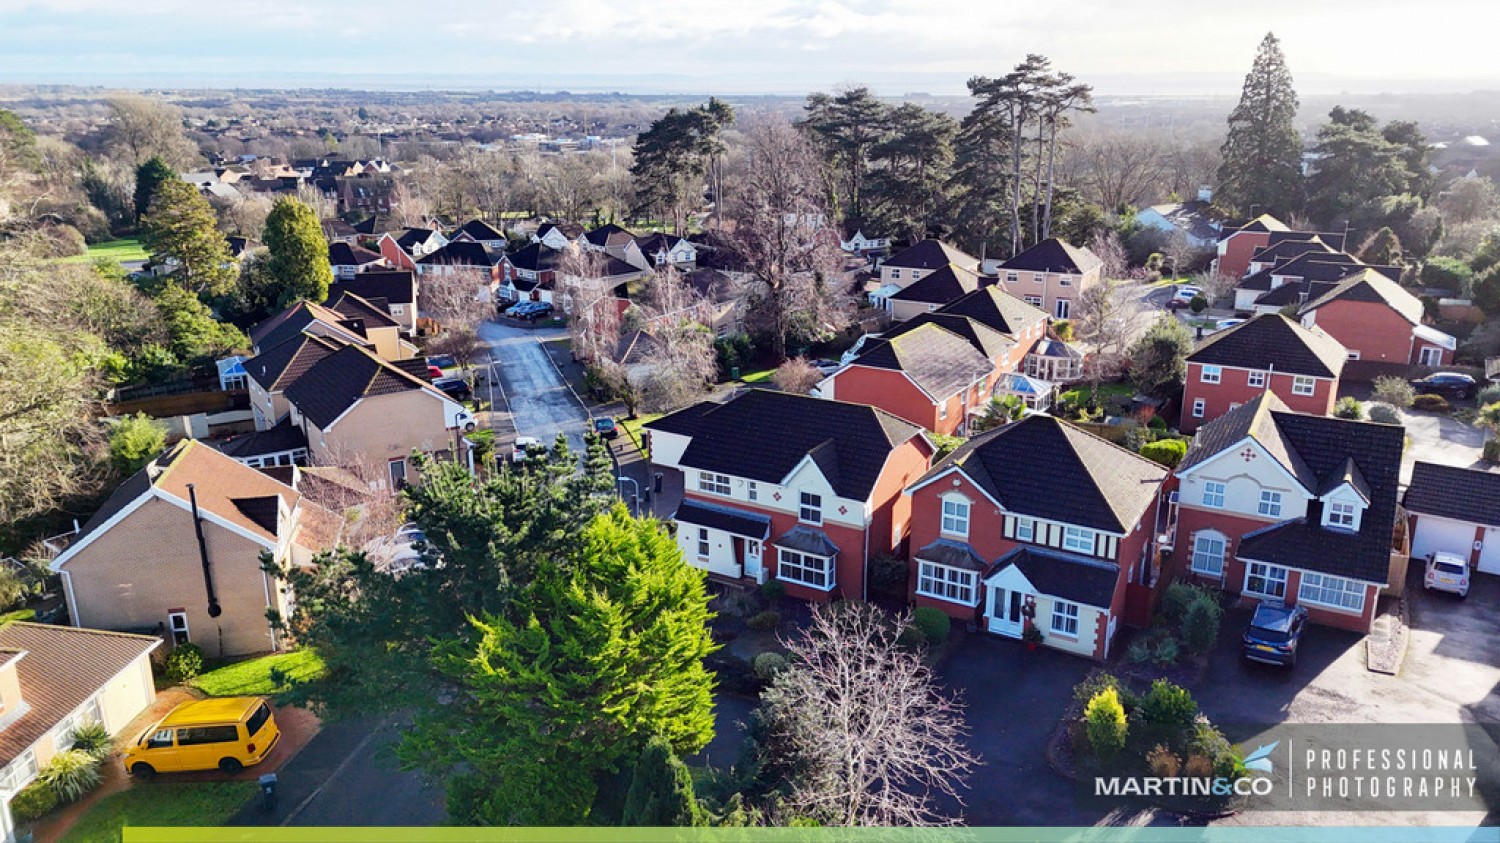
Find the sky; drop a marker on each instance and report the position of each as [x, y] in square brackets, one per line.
[1122, 47]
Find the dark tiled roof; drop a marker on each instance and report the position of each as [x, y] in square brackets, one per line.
[294, 320]
[413, 237]
[1046, 468]
[1076, 579]
[715, 517]
[996, 308]
[280, 365]
[395, 286]
[1463, 494]
[1054, 255]
[1317, 266]
[338, 228]
[351, 307]
[570, 230]
[940, 286]
[537, 257]
[373, 225]
[1284, 250]
[64, 666]
[763, 435]
[656, 242]
[608, 234]
[807, 540]
[1367, 285]
[1272, 341]
[459, 253]
[1048, 347]
[336, 382]
[343, 254]
[481, 230]
[952, 554]
[283, 437]
[931, 254]
[260, 510]
[986, 340]
[1294, 292]
[937, 360]
[1264, 222]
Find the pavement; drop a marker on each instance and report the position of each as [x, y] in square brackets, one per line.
[541, 402]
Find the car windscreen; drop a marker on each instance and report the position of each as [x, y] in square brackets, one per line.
[257, 720]
[1450, 568]
[1270, 636]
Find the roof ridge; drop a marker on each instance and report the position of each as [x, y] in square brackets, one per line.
[84, 630]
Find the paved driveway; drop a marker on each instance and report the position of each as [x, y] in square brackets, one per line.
[1440, 439]
[540, 401]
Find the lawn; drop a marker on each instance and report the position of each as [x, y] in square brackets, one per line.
[632, 428]
[120, 251]
[18, 615]
[1080, 394]
[253, 677]
[161, 804]
[761, 376]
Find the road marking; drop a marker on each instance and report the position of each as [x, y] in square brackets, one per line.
[343, 765]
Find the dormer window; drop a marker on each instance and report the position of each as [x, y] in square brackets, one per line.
[1342, 516]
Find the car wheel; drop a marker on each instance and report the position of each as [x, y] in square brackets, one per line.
[143, 771]
[1461, 394]
[469, 428]
[230, 765]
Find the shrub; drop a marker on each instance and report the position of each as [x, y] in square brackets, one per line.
[773, 590]
[1349, 408]
[733, 674]
[1488, 394]
[1167, 452]
[1394, 391]
[768, 664]
[1217, 752]
[1164, 762]
[1198, 304]
[184, 662]
[1139, 651]
[1064, 329]
[1385, 414]
[1106, 723]
[133, 441]
[34, 802]
[888, 575]
[94, 739]
[934, 624]
[1167, 704]
[70, 774]
[764, 621]
[738, 603]
[1179, 596]
[1432, 403]
[912, 637]
[1157, 423]
[1166, 652]
[1200, 624]
[1492, 450]
[1092, 684]
[1198, 767]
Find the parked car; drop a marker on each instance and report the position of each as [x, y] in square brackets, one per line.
[537, 310]
[826, 366]
[455, 388]
[1447, 384]
[442, 361]
[1274, 633]
[1447, 572]
[1226, 324]
[524, 444]
[606, 427]
[433, 372]
[227, 733]
[515, 308]
[465, 421]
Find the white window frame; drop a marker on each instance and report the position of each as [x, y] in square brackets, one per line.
[1341, 516]
[1065, 618]
[946, 583]
[1202, 554]
[1270, 504]
[895, 274]
[1214, 492]
[18, 773]
[172, 630]
[1268, 575]
[1256, 379]
[1034, 301]
[1025, 529]
[1078, 539]
[752, 491]
[796, 567]
[955, 517]
[815, 507]
[1211, 374]
[1012, 277]
[1326, 590]
[704, 548]
[1304, 385]
[1199, 408]
[714, 483]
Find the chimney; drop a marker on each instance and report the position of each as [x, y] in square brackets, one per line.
[1205, 193]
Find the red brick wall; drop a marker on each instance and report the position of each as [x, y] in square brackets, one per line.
[1373, 329]
[896, 394]
[905, 464]
[1233, 388]
[393, 253]
[1236, 258]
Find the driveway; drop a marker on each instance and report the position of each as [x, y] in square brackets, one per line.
[1440, 439]
[541, 403]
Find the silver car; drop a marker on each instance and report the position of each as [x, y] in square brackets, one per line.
[1447, 572]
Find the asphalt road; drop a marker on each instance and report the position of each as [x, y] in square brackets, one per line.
[540, 400]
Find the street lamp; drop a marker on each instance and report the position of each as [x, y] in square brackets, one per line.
[635, 496]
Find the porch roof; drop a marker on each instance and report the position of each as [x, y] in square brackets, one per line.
[734, 521]
[1062, 575]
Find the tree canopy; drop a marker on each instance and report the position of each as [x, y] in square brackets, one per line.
[297, 253]
[1262, 167]
[148, 177]
[1158, 358]
[180, 223]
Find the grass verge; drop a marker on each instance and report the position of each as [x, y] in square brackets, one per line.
[253, 677]
[160, 804]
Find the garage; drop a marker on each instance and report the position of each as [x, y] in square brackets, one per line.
[1434, 534]
[1452, 509]
[1489, 557]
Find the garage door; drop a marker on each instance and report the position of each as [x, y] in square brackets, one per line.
[1435, 534]
[1489, 557]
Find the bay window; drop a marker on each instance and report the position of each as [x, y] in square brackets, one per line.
[942, 582]
[1333, 592]
[805, 569]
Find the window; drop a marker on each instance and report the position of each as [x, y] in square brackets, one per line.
[1034, 301]
[199, 735]
[162, 738]
[1012, 277]
[916, 274]
[1211, 374]
[895, 274]
[944, 583]
[1266, 580]
[716, 484]
[1039, 278]
[1334, 592]
[1256, 380]
[1302, 385]
[1270, 504]
[956, 517]
[1078, 539]
[1064, 307]
[702, 543]
[1025, 530]
[800, 568]
[1199, 407]
[811, 509]
[1213, 494]
[1065, 281]
[943, 411]
[398, 474]
[18, 773]
[1065, 618]
[1208, 555]
[752, 491]
[1341, 515]
[1354, 355]
[257, 720]
[177, 625]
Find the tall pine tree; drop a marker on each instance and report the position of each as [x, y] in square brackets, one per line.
[1262, 167]
[180, 223]
[297, 252]
[148, 177]
[661, 790]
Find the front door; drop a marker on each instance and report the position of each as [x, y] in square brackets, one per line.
[1064, 307]
[752, 561]
[1005, 611]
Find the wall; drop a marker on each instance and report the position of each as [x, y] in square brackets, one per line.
[128, 694]
[893, 392]
[382, 428]
[1373, 329]
[1233, 388]
[1235, 252]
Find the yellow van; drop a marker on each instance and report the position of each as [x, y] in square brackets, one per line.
[229, 733]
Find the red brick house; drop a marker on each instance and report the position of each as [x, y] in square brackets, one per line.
[1287, 507]
[1037, 523]
[791, 488]
[1377, 319]
[1236, 247]
[1268, 353]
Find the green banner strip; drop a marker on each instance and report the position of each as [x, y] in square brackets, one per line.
[1383, 834]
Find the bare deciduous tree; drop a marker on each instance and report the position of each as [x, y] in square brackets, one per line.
[1109, 316]
[350, 486]
[796, 375]
[143, 127]
[860, 722]
[1119, 168]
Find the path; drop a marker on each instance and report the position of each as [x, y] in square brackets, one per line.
[541, 402]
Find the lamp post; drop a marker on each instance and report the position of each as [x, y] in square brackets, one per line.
[635, 495]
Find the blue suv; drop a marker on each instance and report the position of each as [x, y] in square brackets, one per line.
[1274, 633]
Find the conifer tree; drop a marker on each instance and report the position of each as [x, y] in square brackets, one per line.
[148, 177]
[1262, 166]
[180, 223]
[297, 252]
[661, 790]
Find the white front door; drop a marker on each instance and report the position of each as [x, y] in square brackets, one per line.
[1004, 611]
[1064, 307]
[752, 561]
[1430, 356]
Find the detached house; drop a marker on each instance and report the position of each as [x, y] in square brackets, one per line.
[668, 250]
[1292, 508]
[1377, 319]
[404, 250]
[481, 232]
[349, 260]
[346, 319]
[790, 488]
[1237, 245]
[1051, 275]
[1455, 510]
[933, 290]
[1269, 353]
[1038, 524]
[912, 264]
[531, 273]
[395, 290]
[558, 235]
[175, 551]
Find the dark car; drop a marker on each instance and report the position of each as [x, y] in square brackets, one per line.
[1274, 633]
[537, 311]
[606, 427]
[1447, 384]
[443, 361]
[455, 388]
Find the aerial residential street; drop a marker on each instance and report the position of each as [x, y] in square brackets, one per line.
[540, 400]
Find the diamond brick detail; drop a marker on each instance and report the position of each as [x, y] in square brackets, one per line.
[776, 495]
[843, 510]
